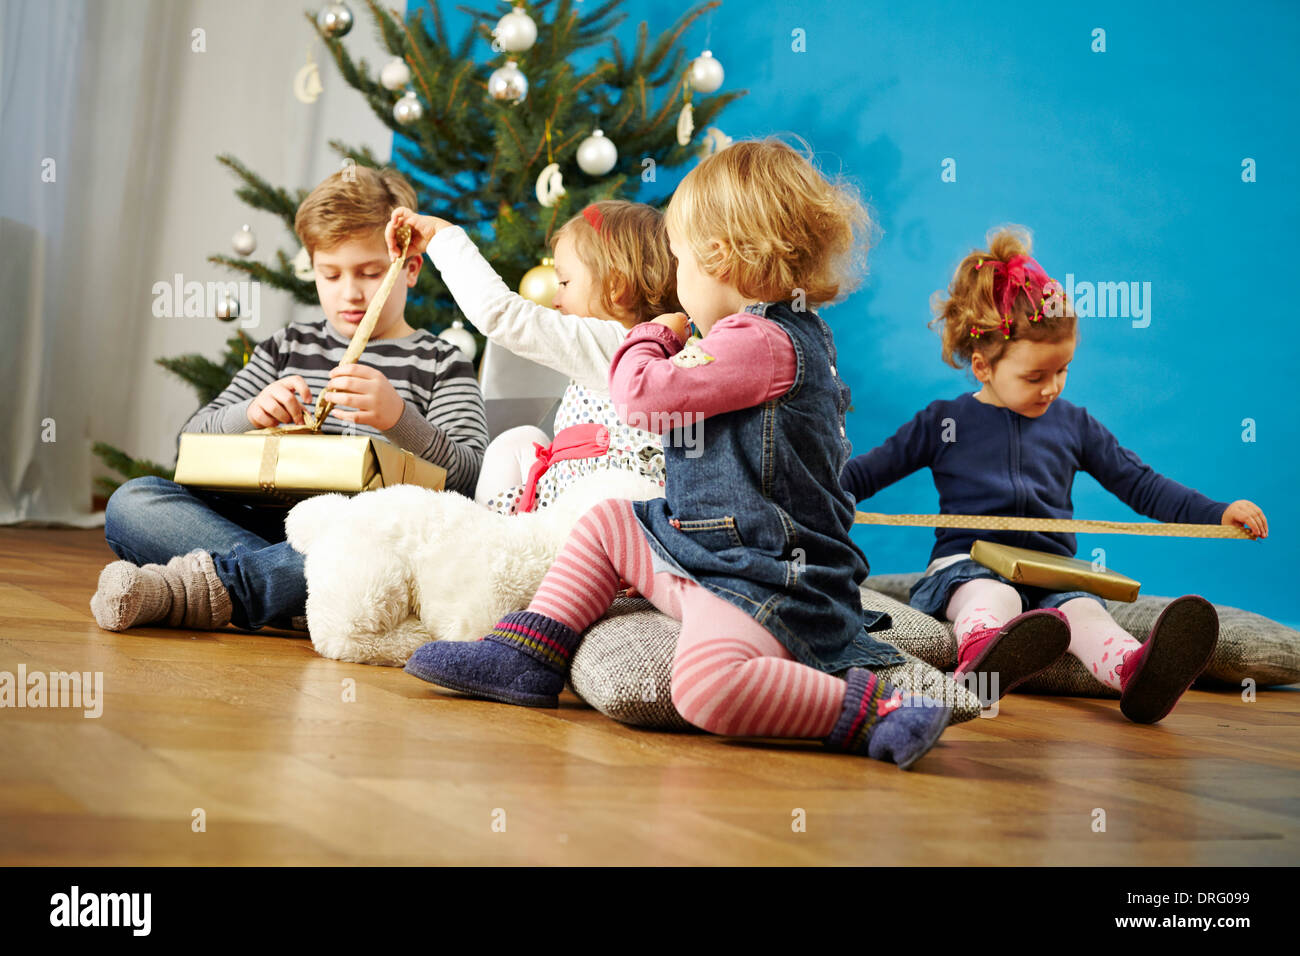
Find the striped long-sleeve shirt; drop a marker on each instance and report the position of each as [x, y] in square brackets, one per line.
[443, 421]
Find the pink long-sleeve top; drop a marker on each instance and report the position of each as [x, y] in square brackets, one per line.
[743, 361]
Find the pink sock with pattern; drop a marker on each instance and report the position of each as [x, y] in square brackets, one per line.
[980, 605]
[1097, 640]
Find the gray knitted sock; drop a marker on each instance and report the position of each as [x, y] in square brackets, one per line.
[129, 596]
[200, 600]
[185, 592]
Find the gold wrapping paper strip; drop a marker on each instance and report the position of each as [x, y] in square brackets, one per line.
[361, 336]
[1053, 571]
[1075, 525]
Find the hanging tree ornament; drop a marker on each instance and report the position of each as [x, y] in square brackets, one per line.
[306, 84]
[408, 110]
[685, 123]
[715, 141]
[515, 32]
[227, 307]
[395, 74]
[334, 19]
[597, 154]
[550, 184]
[302, 267]
[507, 84]
[460, 337]
[705, 73]
[244, 241]
[539, 283]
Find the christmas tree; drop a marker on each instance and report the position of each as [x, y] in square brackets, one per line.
[509, 148]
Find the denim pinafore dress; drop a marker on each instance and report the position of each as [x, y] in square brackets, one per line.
[760, 519]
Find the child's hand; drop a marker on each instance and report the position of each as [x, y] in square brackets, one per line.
[423, 229]
[677, 321]
[367, 390]
[279, 403]
[1246, 514]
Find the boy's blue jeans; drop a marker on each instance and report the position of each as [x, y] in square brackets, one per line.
[150, 520]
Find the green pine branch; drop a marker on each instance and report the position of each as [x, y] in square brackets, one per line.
[126, 466]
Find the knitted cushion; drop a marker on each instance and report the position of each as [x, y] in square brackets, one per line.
[623, 667]
[1250, 646]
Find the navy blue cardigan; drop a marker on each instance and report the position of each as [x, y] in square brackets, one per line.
[988, 460]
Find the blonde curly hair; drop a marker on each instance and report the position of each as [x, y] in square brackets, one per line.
[970, 304]
[761, 217]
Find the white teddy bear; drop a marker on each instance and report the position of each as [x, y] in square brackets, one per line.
[392, 569]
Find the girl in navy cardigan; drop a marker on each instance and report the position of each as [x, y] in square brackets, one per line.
[1013, 448]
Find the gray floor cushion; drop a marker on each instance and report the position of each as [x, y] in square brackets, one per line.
[1250, 646]
[623, 667]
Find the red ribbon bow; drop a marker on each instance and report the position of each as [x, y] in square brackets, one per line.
[1009, 278]
[577, 441]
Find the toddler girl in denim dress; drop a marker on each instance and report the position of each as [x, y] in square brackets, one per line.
[750, 549]
[1013, 448]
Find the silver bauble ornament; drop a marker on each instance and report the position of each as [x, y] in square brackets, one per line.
[516, 31]
[408, 110]
[244, 241]
[460, 337]
[227, 307]
[334, 19]
[395, 75]
[705, 73]
[507, 84]
[597, 154]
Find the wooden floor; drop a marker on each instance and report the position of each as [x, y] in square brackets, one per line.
[256, 732]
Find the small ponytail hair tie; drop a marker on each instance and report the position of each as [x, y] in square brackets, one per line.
[593, 216]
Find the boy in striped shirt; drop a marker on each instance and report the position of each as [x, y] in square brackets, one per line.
[202, 560]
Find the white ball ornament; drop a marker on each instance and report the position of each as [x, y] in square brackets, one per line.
[460, 337]
[516, 31]
[395, 75]
[597, 154]
[507, 84]
[408, 110]
[244, 241]
[706, 73]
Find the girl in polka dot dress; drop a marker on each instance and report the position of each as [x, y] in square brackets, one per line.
[615, 271]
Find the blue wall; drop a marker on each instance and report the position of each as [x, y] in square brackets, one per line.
[1126, 165]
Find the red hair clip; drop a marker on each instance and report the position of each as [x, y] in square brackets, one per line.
[593, 216]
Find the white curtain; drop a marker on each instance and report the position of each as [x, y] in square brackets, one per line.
[111, 115]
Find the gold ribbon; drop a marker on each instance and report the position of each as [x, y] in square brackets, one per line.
[270, 460]
[1074, 525]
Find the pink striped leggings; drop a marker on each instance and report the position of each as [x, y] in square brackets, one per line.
[730, 676]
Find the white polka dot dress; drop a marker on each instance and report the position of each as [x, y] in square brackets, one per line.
[631, 449]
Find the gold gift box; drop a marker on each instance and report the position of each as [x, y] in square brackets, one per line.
[1052, 571]
[290, 467]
